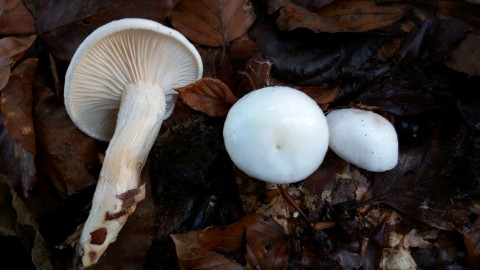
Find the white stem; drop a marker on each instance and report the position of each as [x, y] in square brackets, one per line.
[139, 119]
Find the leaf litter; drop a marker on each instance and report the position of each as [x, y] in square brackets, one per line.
[413, 63]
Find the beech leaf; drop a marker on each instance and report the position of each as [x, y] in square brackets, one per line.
[213, 22]
[17, 130]
[11, 49]
[66, 154]
[15, 19]
[464, 58]
[63, 25]
[208, 95]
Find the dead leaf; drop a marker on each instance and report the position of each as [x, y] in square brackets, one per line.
[192, 256]
[16, 221]
[67, 155]
[361, 16]
[18, 131]
[261, 237]
[212, 22]
[464, 58]
[11, 49]
[471, 236]
[64, 25]
[15, 19]
[208, 95]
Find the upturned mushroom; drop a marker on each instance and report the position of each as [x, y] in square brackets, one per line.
[276, 134]
[119, 87]
[363, 138]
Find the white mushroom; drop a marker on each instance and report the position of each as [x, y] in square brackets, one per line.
[119, 87]
[276, 134]
[363, 138]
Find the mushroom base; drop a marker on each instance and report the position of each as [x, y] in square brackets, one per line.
[117, 193]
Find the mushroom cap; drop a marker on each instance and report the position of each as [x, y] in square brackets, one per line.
[120, 53]
[363, 138]
[276, 134]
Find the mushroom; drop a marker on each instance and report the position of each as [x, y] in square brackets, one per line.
[119, 87]
[363, 138]
[276, 134]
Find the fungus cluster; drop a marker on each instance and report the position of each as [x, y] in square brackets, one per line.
[280, 135]
[119, 87]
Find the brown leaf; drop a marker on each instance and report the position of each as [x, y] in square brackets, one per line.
[261, 237]
[64, 25]
[66, 154]
[16, 107]
[15, 19]
[213, 22]
[341, 16]
[464, 58]
[192, 256]
[361, 16]
[471, 236]
[208, 95]
[11, 49]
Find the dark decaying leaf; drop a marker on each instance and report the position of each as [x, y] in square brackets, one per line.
[17, 130]
[471, 236]
[208, 95]
[432, 41]
[464, 58]
[15, 19]
[304, 58]
[16, 222]
[63, 25]
[261, 237]
[341, 16]
[11, 49]
[68, 157]
[212, 22]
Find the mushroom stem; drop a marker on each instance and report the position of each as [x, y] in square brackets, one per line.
[118, 189]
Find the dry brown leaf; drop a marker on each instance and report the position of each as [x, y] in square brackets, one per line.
[11, 49]
[208, 95]
[341, 16]
[16, 107]
[361, 16]
[192, 256]
[471, 237]
[213, 22]
[66, 154]
[464, 58]
[15, 19]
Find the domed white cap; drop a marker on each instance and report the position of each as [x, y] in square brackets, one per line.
[121, 53]
[276, 134]
[363, 138]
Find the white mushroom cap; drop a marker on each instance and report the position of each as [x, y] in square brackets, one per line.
[276, 134]
[364, 139]
[120, 53]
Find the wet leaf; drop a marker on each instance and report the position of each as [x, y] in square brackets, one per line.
[67, 156]
[212, 22]
[471, 236]
[261, 237]
[18, 136]
[464, 58]
[208, 95]
[15, 19]
[11, 49]
[64, 25]
[17, 221]
[340, 16]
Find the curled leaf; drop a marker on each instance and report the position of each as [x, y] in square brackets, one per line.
[208, 95]
[213, 22]
[11, 49]
[15, 19]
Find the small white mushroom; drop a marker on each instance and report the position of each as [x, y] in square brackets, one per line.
[363, 138]
[120, 86]
[276, 134]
